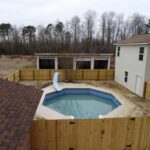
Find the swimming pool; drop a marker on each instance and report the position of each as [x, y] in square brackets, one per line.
[81, 103]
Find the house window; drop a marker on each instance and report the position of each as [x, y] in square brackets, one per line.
[118, 51]
[126, 77]
[141, 53]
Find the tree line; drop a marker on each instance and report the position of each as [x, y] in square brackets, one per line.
[92, 34]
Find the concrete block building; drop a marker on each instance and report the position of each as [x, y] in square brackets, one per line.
[73, 61]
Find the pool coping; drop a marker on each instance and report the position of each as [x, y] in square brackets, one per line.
[121, 111]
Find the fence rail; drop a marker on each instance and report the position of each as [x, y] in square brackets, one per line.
[67, 74]
[91, 134]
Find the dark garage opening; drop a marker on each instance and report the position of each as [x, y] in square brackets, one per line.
[100, 64]
[83, 65]
[46, 64]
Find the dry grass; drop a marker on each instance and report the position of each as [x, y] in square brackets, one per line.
[8, 64]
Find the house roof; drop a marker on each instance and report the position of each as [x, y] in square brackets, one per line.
[18, 104]
[140, 39]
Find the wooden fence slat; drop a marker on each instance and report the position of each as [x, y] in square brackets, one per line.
[147, 91]
[67, 74]
[51, 136]
[105, 134]
[41, 74]
[91, 134]
[73, 74]
[26, 74]
[90, 74]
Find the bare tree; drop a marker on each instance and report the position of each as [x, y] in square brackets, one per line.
[89, 23]
[119, 23]
[137, 24]
[75, 27]
[103, 27]
[148, 27]
[15, 35]
[41, 35]
[88, 29]
[74, 36]
[110, 25]
[125, 30]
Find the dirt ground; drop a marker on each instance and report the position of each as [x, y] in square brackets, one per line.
[142, 106]
[8, 64]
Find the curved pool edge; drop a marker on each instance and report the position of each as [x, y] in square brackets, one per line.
[121, 111]
[99, 93]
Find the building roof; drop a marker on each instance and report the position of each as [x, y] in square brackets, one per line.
[72, 54]
[140, 39]
[18, 104]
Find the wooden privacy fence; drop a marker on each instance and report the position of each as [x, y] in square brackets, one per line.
[66, 74]
[147, 91]
[13, 77]
[91, 134]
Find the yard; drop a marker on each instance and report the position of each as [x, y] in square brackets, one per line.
[142, 106]
[8, 64]
[129, 130]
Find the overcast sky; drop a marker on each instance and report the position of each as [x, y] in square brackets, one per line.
[35, 12]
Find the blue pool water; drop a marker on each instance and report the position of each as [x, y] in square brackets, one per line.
[81, 103]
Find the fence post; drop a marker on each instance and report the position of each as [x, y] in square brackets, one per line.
[33, 75]
[98, 75]
[49, 73]
[19, 75]
[14, 77]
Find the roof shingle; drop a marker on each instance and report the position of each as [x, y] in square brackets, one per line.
[140, 39]
[18, 104]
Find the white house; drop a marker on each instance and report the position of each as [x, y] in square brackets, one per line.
[132, 66]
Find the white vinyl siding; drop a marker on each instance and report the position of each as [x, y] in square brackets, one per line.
[128, 61]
